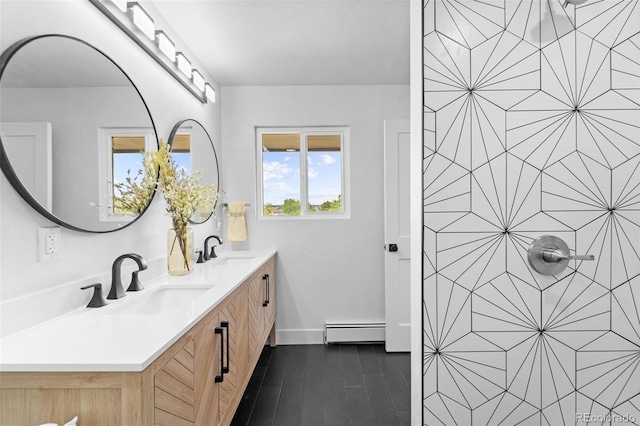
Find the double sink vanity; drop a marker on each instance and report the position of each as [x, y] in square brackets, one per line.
[181, 351]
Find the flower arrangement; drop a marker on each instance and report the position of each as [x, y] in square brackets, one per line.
[183, 194]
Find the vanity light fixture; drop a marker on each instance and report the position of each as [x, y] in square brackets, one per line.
[120, 4]
[165, 45]
[132, 19]
[198, 79]
[184, 65]
[142, 20]
[210, 92]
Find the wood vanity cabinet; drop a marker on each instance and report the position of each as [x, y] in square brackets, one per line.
[181, 387]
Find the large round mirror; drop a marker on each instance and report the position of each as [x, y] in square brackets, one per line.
[73, 128]
[193, 150]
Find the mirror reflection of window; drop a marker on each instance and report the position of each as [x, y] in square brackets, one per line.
[126, 160]
[120, 156]
[181, 151]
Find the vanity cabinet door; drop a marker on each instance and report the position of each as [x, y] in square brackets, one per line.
[234, 314]
[207, 360]
[174, 389]
[256, 316]
[184, 389]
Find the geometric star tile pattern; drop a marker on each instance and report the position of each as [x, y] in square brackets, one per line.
[531, 126]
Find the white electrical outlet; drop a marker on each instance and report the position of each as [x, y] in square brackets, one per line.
[49, 244]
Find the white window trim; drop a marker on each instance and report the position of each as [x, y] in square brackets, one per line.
[105, 187]
[304, 188]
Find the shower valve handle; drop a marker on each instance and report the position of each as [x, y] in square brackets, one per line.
[549, 255]
[557, 255]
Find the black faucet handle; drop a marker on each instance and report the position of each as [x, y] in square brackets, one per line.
[135, 282]
[200, 258]
[97, 300]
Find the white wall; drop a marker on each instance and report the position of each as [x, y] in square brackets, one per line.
[86, 256]
[328, 269]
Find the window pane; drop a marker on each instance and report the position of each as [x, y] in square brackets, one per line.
[126, 162]
[281, 174]
[324, 173]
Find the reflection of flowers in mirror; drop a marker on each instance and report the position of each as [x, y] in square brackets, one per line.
[132, 196]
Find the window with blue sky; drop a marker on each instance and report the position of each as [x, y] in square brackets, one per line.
[302, 172]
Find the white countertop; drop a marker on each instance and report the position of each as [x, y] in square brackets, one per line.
[103, 339]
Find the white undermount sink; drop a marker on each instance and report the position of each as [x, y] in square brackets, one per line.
[165, 298]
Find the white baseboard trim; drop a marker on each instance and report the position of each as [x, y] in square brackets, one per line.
[300, 337]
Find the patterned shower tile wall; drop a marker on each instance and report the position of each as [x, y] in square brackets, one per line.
[531, 127]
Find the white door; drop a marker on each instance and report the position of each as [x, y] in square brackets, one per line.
[28, 147]
[397, 236]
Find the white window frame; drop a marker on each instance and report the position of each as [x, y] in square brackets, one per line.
[105, 159]
[305, 131]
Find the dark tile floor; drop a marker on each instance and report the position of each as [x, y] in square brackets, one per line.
[335, 385]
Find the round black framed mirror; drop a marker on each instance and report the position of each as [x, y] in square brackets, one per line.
[72, 126]
[193, 149]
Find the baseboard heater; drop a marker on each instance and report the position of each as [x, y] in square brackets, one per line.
[366, 332]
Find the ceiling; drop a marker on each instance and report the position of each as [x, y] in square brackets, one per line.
[295, 42]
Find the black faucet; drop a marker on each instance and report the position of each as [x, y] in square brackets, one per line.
[213, 254]
[117, 291]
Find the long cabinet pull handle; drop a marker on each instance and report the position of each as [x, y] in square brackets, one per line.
[225, 324]
[220, 377]
[265, 277]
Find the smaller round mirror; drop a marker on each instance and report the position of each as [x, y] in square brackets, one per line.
[192, 149]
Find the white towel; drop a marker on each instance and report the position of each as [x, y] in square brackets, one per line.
[237, 229]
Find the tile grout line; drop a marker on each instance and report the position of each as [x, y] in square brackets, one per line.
[384, 378]
[255, 400]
